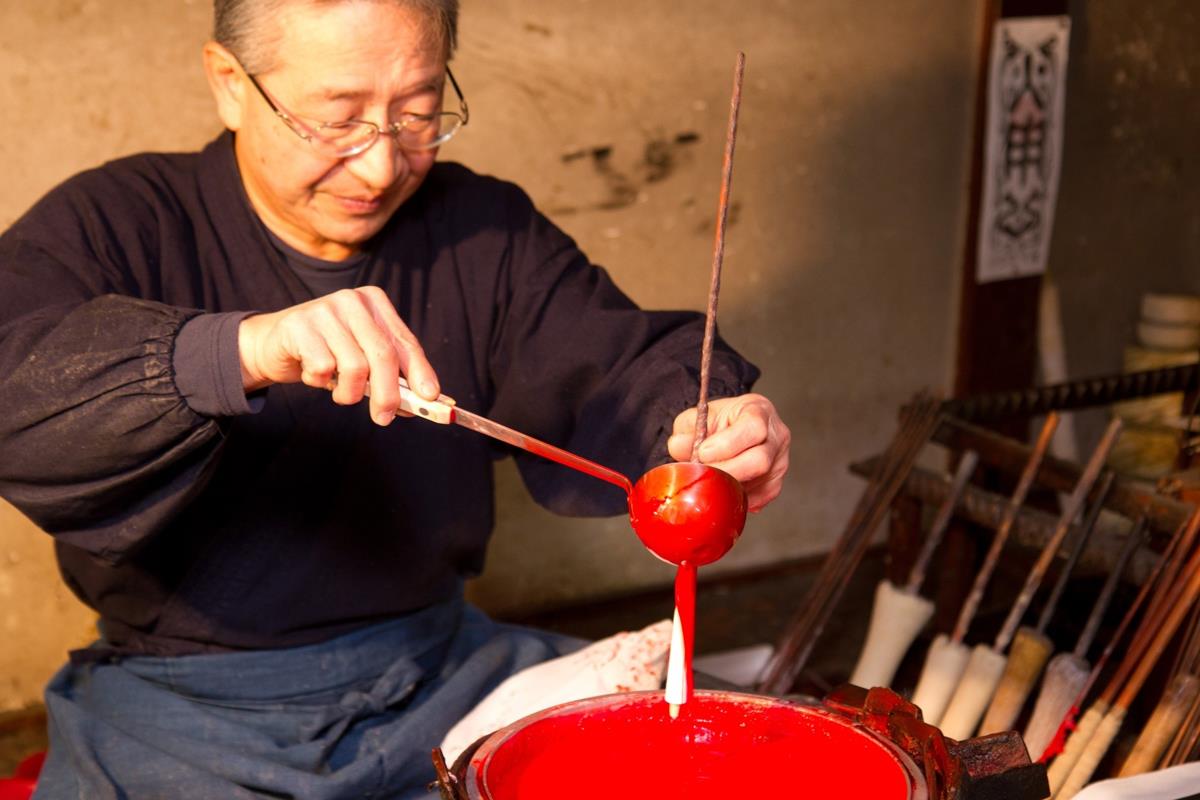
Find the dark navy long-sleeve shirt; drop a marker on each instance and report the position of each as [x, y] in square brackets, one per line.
[194, 519]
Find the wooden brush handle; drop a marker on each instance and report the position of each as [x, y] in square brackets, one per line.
[1185, 738]
[1028, 474]
[944, 665]
[896, 619]
[1065, 676]
[1097, 747]
[1163, 614]
[1072, 508]
[973, 692]
[1176, 608]
[1163, 723]
[966, 467]
[1029, 653]
[1077, 742]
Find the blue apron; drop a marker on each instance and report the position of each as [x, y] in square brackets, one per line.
[355, 717]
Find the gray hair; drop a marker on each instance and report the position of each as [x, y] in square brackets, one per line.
[246, 29]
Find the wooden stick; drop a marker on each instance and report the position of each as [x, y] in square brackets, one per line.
[948, 657]
[978, 506]
[1163, 724]
[1186, 658]
[1164, 602]
[985, 666]
[966, 467]
[1064, 575]
[1183, 748]
[1067, 673]
[679, 686]
[926, 421]
[1155, 586]
[1129, 497]
[714, 290]
[1074, 505]
[898, 615]
[1188, 662]
[1174, 608]
[1031, 648]
[1078, 741]
[1136, 536]
[877, 486]
[984, 672]
[885, 469]
[971, 604]
[917, 424]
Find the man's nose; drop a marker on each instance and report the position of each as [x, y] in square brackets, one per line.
[381, 164]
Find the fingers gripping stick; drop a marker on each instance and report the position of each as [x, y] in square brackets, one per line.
[440, 410]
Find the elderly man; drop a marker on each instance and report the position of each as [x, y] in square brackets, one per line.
[279, 574]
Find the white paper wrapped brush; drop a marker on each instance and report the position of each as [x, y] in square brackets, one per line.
[625, 662]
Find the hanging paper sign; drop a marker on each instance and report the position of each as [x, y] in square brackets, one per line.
[1026, 93]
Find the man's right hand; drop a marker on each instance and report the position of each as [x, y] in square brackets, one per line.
[353, 336]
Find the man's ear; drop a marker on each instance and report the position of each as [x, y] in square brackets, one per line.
[228, 87]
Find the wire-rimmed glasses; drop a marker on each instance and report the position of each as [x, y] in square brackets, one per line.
[354, 136]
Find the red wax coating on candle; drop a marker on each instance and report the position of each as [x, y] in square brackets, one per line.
[685, 604]
[686, 511]
[622, 747]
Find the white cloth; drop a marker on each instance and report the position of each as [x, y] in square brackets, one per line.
[625, 662]
[1165, 784]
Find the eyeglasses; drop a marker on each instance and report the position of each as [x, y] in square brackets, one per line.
[354, 136]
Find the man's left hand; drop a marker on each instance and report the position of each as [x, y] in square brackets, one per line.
[746, 438]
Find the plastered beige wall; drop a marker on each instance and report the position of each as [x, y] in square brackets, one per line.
[839, 273]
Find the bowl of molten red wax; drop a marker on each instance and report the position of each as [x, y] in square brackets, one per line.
[723, 745]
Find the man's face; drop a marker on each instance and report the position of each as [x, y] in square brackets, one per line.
[339, 61]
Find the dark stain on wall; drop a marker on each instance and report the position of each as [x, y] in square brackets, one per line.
[660, 157]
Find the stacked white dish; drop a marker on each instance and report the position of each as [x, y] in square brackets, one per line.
[1168, 335]
[1170, 322]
